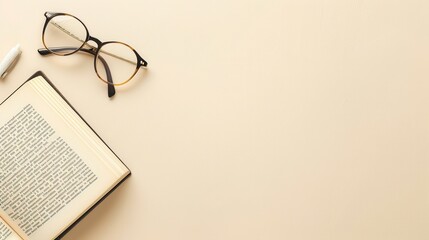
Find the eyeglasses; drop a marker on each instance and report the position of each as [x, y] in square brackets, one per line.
[115, 63]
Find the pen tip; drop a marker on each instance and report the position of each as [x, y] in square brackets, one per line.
[18, 47]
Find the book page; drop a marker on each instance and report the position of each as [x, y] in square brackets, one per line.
[48, 175]
[30, 151]
[7, 233]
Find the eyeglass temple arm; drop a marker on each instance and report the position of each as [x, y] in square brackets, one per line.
[61, 28]
[110, 87]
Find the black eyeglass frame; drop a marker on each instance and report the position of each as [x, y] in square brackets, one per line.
[93, 51]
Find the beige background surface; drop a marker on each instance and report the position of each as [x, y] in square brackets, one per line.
[256, 119]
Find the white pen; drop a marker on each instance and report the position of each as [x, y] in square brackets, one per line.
[9, 60]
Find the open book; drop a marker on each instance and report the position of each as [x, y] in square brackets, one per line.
[53, 167]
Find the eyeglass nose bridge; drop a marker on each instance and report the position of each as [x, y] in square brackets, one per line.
[96, 40]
